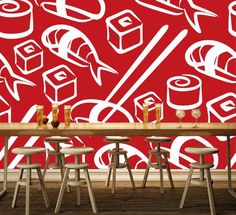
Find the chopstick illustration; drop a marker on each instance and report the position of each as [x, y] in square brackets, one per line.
[186, 7]
[141, 76]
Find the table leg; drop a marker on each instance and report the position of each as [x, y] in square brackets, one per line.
[230, 190]
[4, 190]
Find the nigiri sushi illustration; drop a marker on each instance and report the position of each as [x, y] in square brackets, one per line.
[74, 46]
[214, 59]
[186, 7]
[10, 79]
[72, 10]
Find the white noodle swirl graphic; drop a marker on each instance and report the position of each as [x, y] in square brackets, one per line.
[184, 92]
[16, 19]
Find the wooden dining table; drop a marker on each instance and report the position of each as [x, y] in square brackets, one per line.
[119, 129]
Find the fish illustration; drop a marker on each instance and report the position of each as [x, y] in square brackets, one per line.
[186, 7]
[74, 46]
[10, 79]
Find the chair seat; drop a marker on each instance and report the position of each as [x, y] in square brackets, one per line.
[201, 150]
[77, 150]
[120, 139]
[158, 139]
[57, 139]
[28, 150]
[201, 166]
[28, 166]
[76, 166]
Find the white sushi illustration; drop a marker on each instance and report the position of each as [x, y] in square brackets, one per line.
[74, 46]
[72, 10]
[188, 8]
[214, 59]
[10, 79]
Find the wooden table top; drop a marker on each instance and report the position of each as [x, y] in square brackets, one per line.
[129, 129]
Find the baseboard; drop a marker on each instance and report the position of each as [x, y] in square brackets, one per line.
[122, 175]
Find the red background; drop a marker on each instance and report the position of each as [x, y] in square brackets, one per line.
[213, 28]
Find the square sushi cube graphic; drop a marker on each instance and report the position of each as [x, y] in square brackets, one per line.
[60, 84]
[28, 57]
[124, 31]
[222, 108]
[149, 98]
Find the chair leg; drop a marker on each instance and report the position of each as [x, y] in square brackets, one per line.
[62, 190]
[46, 165]
[109, 171]
[77, 178]
[63, 162]
[161, 174]
[45, 195]
[17, 189]
[90, 191]
[213, 192]
[114, 165]
[27, 194]
[169, 172]
[210, 193]
[63, 166]
[130, 172]
[186, 188]
[147, 171]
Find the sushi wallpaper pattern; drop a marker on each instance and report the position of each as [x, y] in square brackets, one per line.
[106, 58]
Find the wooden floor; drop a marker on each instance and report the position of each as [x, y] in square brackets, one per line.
[126, 201]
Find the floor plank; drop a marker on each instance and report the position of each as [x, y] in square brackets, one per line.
[126, 201]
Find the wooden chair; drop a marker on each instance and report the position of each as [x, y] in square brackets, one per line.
[115, 160]
[159, 164]
[59, 158]
[202, 166]
[28, 181]
[77, 166]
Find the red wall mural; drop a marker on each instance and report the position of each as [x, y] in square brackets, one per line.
[106, 58]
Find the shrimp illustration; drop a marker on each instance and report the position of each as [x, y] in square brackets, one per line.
[74, 46]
